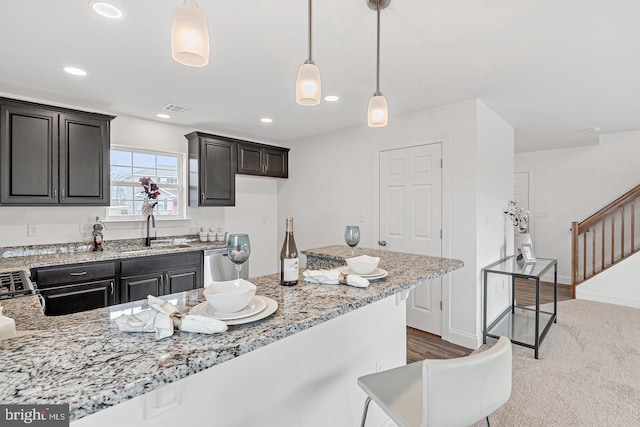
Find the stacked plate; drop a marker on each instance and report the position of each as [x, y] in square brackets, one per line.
[258, 308]
[376, 274]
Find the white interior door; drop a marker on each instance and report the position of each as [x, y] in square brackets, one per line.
[411, 221]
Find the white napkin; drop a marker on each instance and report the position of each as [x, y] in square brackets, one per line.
[328, 277]
[332, 277]
[162, 320]
[357, 281]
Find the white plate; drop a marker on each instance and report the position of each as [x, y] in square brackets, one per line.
[256, 305]
[378, 273]
[272, 306]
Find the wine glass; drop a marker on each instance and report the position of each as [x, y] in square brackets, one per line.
[238, 250]
[352, 237]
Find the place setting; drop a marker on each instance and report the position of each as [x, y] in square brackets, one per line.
[235, 302]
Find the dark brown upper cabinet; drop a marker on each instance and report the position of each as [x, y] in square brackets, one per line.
[53, 156]
[263, 160]
[212, 170]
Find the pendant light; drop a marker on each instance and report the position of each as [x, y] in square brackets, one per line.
[190, 35]
[378, 112]
[308, 84]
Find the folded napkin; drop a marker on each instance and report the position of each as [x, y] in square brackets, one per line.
[357, 281]
[163, 317]
[332, 277]
[328, 277]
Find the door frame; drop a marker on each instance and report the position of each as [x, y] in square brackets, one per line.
[441, 138]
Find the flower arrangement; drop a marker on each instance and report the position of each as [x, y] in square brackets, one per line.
[519, 216]
[151, 192]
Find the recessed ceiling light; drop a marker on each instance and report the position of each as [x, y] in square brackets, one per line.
[163, 116]
[107, 10]
[75, 71]
[266, 120]
[331, 98]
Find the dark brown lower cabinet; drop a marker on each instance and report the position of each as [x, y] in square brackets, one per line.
[160, 275]
[78, 297]
[182, 280]
[139, 287]
[78, 287]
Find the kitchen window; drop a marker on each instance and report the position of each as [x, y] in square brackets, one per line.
[128, 165]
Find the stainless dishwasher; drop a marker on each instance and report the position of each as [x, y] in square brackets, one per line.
[218, 267]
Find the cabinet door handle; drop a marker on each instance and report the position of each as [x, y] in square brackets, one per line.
[55, 193]
[111, 286]
[201, 197]
[43, 302]
[82, 273]
[62, 193]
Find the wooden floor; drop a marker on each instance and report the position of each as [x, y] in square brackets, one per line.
[422, 345]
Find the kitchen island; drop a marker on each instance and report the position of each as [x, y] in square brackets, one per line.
[297, 367]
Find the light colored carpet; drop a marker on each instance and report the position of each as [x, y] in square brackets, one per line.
[588, 373]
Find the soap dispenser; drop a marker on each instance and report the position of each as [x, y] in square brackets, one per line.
[7, 326]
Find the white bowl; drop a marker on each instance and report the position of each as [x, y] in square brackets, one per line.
[363, 264]
[229, 296]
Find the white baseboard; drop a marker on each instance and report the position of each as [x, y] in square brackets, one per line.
[562, 280]
[465, 339]
[610, 299]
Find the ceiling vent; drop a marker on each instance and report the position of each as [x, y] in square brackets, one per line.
[176, 108]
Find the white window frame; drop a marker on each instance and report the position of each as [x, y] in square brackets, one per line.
[181, 186]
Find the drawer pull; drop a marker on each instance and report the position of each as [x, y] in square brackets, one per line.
[111, 286]
[82, 273]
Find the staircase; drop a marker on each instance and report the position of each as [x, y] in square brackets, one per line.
[605, 238]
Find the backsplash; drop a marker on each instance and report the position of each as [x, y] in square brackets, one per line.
[63, 248]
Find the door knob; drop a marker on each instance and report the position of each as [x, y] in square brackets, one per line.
[382, 242]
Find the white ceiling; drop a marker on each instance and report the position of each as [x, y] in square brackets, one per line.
[550, 68]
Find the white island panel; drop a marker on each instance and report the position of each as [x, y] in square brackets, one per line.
[307, 379]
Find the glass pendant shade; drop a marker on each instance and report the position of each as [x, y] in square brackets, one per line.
[378, 111]
[308, 84]
[190, 36]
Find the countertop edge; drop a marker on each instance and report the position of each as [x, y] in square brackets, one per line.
[113, 397]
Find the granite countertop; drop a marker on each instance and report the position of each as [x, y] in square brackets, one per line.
[80, 254]
[84, 360]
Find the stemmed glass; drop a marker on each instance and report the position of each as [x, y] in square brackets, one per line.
[352, 237]
[238, 250]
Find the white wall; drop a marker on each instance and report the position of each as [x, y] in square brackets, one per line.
[255, 211]
[494, 188]
[571, 184]
[333, 178]
[616, 285]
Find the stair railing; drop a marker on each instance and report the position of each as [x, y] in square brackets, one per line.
[604, 239]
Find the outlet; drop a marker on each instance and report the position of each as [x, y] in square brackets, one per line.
[264, 221]
[162, 400]
[361, 216]
[380, 365]
[32, 230]
[541, 215]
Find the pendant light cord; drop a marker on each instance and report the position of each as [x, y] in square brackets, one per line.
[310, 60]
[378, 51]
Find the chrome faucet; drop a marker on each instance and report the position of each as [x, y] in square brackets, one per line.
[149, 238]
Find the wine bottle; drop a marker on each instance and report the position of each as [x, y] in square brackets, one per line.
[289, 261]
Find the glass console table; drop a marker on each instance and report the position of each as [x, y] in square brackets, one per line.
[525, 326]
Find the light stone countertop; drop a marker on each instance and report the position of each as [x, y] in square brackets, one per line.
[79, 254]
[84, 360]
